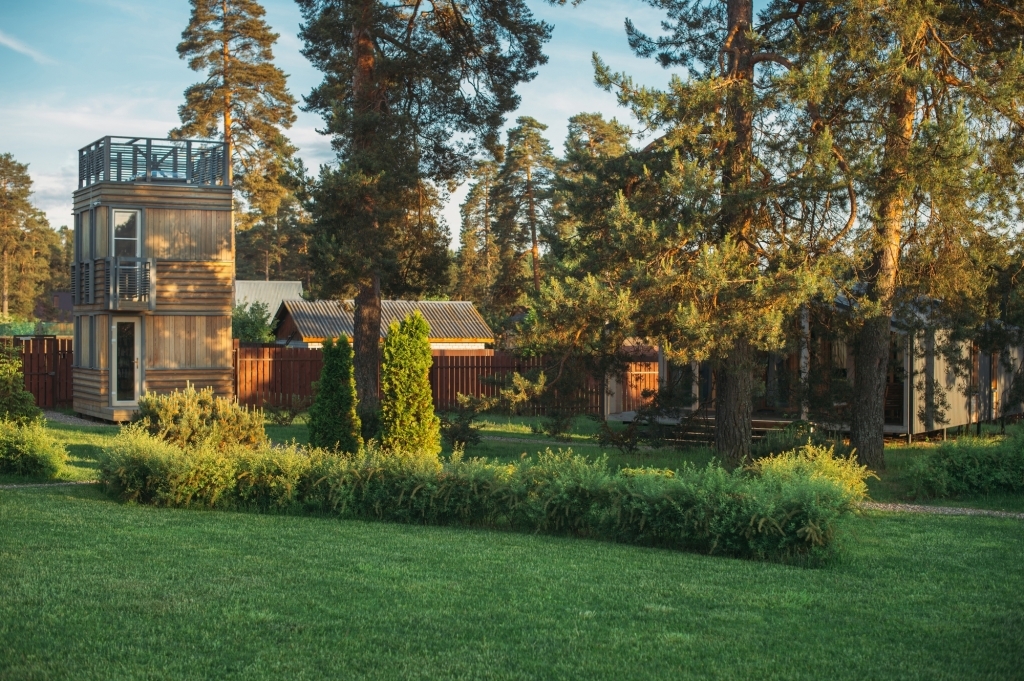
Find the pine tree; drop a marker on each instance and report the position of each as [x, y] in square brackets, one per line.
[26, 241]
[923, 95]
[244, 99]
[523, 190]
[333, 418]
[409, 95]
[408, 422]
[477, 255]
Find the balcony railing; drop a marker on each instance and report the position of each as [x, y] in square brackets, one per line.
[129, 282]
[82, 277]
[142, 159]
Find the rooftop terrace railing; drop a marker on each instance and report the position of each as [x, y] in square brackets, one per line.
[143, 159]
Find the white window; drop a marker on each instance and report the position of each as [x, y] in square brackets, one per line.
[126, 232]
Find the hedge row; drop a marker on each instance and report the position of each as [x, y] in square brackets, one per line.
[28, 448]
[768, 516]
[968, 467]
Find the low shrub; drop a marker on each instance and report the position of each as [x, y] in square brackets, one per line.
[16, 403]
[967, 467]
[189, 418]
[457, 427]
[27, 448]
[285, 414]
[770, 516]
[817, 462]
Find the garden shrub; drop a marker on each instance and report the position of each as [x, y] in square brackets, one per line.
[190, 417]
[968, 466]
[16, 403]
[251, 323]
[285, 414]
[813, 462]
[770, 516]
[457, 428]
[333, 421]
[28, 448]
[409, 426]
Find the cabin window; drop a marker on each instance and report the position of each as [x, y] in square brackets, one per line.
[126, 233]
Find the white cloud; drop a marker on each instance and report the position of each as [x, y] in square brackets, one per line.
[18, 46]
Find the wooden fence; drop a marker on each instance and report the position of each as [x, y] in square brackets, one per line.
[274, 375]
[46, 362]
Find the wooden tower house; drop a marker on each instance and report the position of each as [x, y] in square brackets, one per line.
[153, 272]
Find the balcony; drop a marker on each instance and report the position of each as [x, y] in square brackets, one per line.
[142, 159]
[130, 283]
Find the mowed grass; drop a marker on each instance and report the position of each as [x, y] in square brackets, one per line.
[92, 589]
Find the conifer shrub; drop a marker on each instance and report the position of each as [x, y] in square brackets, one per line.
[189, 418]
[967, 467]
[16, 403]
[457, 427]
[28, 448]
[333, 420]
[409, 426]
[790, 516]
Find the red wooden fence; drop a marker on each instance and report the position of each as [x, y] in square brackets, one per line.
[275, 375]
[46, 363]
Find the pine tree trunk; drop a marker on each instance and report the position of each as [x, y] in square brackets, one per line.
[733, 404]
[533, 230]
[366, 331]
[6, 290]
[867, 422]
[805, 362]
[226, 56]
[366, 345]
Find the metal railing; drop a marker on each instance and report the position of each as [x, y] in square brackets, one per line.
[82, 276]
[130, 280]
[143, 159]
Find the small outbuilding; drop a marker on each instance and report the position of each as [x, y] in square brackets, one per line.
[454, 324]
[270, 293]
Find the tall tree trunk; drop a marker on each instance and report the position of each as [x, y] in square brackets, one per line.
[487, 233]
[872, 342]
[733, 403]
[226, 56]
[366, 331]
[5, 294]
[366, 345]
[533, 229]
[805, 362]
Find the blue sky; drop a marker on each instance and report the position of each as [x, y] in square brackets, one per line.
[72, 71]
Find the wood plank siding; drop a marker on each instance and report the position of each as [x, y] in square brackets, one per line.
[187, 246]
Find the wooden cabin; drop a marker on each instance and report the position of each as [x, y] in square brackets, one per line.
[153, 272]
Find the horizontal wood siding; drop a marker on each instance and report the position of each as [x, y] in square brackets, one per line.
[163, 381]
[187, 341]
[187, 234]
[195, 287]
[154, 195]
[91, 388]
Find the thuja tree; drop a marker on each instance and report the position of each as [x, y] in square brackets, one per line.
[696, 239]
[333, 418]
[408, 422]
[926, 95]
[411, 90]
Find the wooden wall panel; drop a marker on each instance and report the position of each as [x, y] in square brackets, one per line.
[185, 341]
[196, 287]
[168, 380]
[102, 232]
[102, 341]
[154, 195]
[187, 234]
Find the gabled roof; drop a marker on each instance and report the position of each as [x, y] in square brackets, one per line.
[450, 320]
[270, 293]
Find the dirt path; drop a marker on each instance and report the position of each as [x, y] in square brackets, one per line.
[68, 419]
[939, 510]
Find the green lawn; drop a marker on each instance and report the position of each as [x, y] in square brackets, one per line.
[92, 589]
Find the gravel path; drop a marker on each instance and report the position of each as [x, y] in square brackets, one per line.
[70, 420]
[938, 510]
[50, 484]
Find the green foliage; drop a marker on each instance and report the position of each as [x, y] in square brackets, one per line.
[408, 423]
[796, 435]
[333, 419]
[817, 462]
[457, 427]
[251, 323]
[28, 448]
[191, 418]
[785, 513]
[968, 466]
[285, 414]
[16, 402]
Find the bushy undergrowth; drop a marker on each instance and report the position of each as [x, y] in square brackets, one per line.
[27, 448]
[796, 435]
[968, 467]
[16, 403]
[189, 418]
[710, 510]
[817, 462]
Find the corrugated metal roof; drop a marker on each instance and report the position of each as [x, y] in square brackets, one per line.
[270, 293]
[449, 320]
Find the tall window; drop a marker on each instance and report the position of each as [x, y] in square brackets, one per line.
[126, 233]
